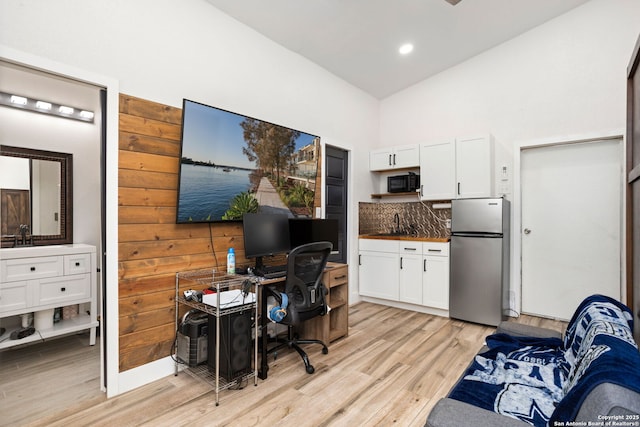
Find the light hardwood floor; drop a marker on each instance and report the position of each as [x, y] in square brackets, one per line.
[391, 369]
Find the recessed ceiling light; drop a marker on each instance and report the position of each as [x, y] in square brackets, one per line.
[406, 49]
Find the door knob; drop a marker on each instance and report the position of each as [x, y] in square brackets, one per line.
[527, 231]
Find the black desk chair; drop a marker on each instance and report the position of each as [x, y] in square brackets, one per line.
[305, 294]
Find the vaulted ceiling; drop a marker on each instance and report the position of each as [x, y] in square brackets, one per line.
[358, 40]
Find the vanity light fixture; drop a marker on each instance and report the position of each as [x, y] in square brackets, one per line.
[41, 105]
[44, 107]
[86, 114]
[63, 109]
[18, 100]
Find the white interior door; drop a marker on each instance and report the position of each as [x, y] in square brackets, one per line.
[571, 225]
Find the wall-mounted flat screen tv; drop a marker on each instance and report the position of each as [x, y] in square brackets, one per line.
[231, 164]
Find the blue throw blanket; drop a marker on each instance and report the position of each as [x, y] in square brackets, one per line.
[543, 380]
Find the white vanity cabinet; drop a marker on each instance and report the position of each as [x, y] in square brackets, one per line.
[38, 278]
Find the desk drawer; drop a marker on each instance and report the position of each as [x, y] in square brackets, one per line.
[62, 290]
[14, 296]
[77, 264]
[337, 276]
[31, 268]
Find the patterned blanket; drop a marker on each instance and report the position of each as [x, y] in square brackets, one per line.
[543, 380]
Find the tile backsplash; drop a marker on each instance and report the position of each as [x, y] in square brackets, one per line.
[420, 216]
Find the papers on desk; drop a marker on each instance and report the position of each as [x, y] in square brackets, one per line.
[229, 299]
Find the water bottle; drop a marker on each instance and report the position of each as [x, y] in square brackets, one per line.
[231, 261]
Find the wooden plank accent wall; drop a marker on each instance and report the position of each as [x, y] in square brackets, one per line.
[152, 247]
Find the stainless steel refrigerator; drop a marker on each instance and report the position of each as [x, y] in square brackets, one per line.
[479, 276]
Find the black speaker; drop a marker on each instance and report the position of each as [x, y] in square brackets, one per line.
[235, 344]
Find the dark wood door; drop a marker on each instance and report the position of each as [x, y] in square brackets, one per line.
[14, 210]
[633, 188]
[336, 197]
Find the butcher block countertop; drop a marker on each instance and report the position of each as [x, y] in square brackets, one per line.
[404, 237]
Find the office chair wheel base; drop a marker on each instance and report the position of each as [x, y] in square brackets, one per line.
[325, 350]
[310, 369]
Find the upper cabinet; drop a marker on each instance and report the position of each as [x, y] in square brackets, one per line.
[399, 157]
[474, 167]
[457, 168]
[437, 170]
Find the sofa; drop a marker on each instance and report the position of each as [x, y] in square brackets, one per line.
[526, 375]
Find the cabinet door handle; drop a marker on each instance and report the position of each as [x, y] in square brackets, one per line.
[400, 263]
[409, 249]
[394, 159]
[77, 264]
[340, 277]
[424, 265]
[458, 189]
[435, 250]
[33, 269]
[390, 160]
[63, 289]
[359, 259]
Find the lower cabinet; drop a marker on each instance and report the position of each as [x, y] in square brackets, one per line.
[435, 275]
[378, 263]
[407, 271]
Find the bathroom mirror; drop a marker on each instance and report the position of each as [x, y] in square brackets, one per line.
[36, 197]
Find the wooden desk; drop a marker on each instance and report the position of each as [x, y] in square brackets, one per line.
[327, 328]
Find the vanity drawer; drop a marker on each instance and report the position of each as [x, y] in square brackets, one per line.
[14, 296]
[30, 268]
[77, 264]
[62, 290]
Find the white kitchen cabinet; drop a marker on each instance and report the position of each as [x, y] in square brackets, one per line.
[410, 285]
[437, 170]
[38, 278]
[398, 157]
[435, 275]
[460, 168]
[378, 262]
[406, 271]
[474, 167]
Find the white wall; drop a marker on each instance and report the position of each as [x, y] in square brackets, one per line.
[166, 50]
[564, 77]
[562, 81]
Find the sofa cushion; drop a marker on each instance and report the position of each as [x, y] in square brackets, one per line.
[544, 381]
[519, 377]
[599, 348]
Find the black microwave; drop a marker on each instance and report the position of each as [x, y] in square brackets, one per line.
[403, 183]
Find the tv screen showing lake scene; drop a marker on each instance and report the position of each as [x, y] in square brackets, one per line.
[231, 164]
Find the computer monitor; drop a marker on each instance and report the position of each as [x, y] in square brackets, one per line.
[304, 231]
[265, 235]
